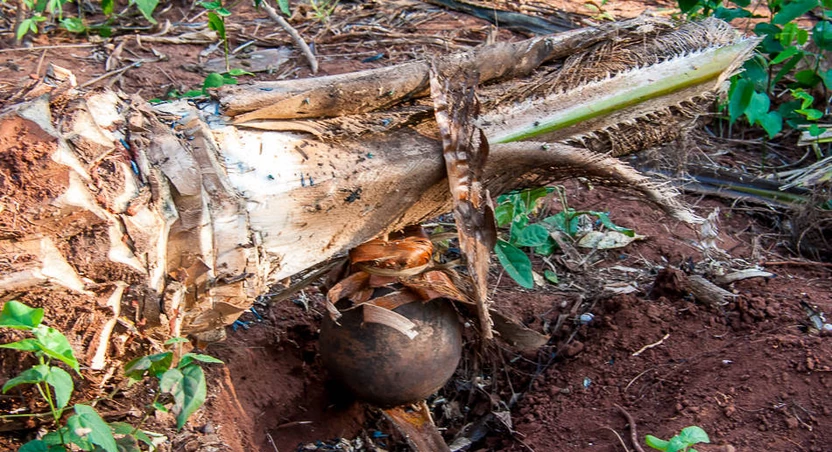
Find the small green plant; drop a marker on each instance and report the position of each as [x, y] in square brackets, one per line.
[216, 21]
[322, 9]
[783, 57]
[54, 8]
[86, 430]
[519, 211]
[683, 442]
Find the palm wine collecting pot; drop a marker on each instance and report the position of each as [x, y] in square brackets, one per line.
[385, 367]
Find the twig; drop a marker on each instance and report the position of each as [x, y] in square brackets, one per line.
[112, 73]
[62, 46]
[271, 441]
[633, 433]
[296, 38]
[620, 439]
[649, 346]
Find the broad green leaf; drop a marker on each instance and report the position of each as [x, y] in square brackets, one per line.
[123, 428]
[815, 130]
[808, 78]
[729, 14]
[216, 23]
[24, 345]
[504, 213]
[35, 445]
[211, 5]
[187, 386]
[676, 444]
[687, 5]
[550, 276]
[62, 384]
[546, 249]
[19, 316]
[822, 34]
[655, 443]
[284, 7]
[769, 32]
[772, 123]
[516, 263]
[189, 358]
[788, 35]
[533, 235]
[156, 365]
[223, 12]
[237, 72]
[787, 68]
[740, 97]
[193, 93]
[758, 107]
[694, 435]
[55, 345]
[786, 54]
[530, 197]
[32, 375]
[213, 80]
[87, 424]
[146, 7]
[792, 10]
[605, 220]
[74, 25]
[810, 113]
[107, 7]
[826, 76]
[558, 221]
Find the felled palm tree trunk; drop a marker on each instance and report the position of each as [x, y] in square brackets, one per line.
[180, 217]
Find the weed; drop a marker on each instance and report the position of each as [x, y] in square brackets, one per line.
[689, 436]
[784, 56]
[518, 210]
[216, 21]
[184, 383]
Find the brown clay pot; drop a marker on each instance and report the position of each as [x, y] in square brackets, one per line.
[383, 366]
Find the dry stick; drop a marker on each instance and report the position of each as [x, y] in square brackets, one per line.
[112, 73]
[620, 439]
[633, 433]
[798, 263]
[649, 346]
[296, 38]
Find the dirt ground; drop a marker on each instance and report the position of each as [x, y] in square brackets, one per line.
[751, 372]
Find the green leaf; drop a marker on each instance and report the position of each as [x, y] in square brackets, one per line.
[504, 213]
[24, 345]
[223, 12]
[676, 444]
[176, 340]
[656, 443]
[694, 435]
[740, 98]
[788, 35]
[32, 375]
[755, 70]
[146, 7]
[187, 386]
[211, 5]
[550, 276]
[156, 365]
[35, 445]
[216, 23]
[815, 130]
[758, 107]
[128, 444]
[189, 358]
[284, 7]
[88, 425]
[213, 80]
[237, 72]
[605, 220]
[687, 5]
[516, 263]
[193, 93]
[729, 14]
[826, 76]
[792, 10]
[74, 25]
[123, 428]
[530, 197]
[558, 221]
[19, 316]
[786, 54]
[810, 113]
[822, 34]
[532, 235]
[55, 345]
[546, 249]
[772, 123]
[107, 7]
[808, 78]
[61, 382]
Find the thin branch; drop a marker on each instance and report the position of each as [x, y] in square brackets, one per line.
[633, 433]
[296, 38]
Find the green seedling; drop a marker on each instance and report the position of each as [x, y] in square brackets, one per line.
[85, 429]
[519, 211]
[683, 442]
